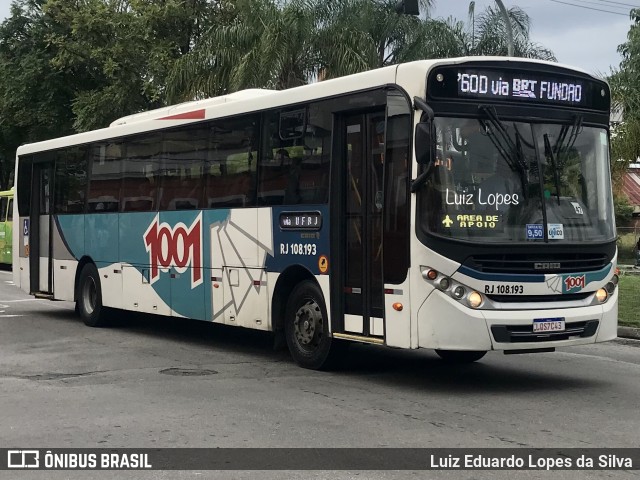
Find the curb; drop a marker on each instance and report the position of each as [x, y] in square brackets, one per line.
[629, 332]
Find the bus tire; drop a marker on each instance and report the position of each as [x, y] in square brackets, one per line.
[307, 327]
[460, 356]
[89, 298]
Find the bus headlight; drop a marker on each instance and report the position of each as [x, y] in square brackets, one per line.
[444, 283]
[601, 295]
[475, 299]
[458, 292]
[451, 287]
[430, 274]
[610, 288]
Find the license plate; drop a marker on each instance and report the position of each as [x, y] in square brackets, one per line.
[542, 325]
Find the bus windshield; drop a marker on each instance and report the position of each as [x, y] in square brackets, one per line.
[511, 181]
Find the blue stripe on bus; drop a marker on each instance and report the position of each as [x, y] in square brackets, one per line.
[501, 277]
[520, 278]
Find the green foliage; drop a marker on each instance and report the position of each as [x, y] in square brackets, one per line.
[75, 65]
[625, 96]
[629, 300]
[122, 51]
[275, 44]
[625, 83]
[623, 209]
[35, 100]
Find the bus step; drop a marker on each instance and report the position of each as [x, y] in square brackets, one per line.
[46, 296]
[359, 338]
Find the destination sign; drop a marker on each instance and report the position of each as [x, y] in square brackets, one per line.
[518, 86]
[300, 220]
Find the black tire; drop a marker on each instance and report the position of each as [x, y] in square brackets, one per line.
[460, 356]
[89, 297]
[307, 327]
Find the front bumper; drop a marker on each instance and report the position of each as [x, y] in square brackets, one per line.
[446, 324]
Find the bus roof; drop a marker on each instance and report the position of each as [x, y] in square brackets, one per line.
[253, 100]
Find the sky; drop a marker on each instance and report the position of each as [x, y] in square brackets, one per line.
[578, 36]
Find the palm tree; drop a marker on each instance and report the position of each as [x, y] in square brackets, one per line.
[266, 44]
[490, 36]
[357, 35]
[281, 44]
[276, 44]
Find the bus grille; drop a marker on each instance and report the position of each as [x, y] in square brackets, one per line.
[567, 297]
[524, 333]
[516, 263]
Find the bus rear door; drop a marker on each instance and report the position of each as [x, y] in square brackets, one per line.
[40, 228]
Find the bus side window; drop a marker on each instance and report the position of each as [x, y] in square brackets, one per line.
[183, 163]
[294, 161]
[105, 184]
[140, 173]
[232, 170]
[10, 210]
[70, 180]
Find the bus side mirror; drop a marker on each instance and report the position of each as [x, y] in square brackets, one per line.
[425, 151]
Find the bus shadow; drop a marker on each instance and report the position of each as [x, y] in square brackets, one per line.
[408, 370]
[199, 333]
[423, 370]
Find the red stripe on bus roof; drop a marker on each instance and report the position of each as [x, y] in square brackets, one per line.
[195, 115]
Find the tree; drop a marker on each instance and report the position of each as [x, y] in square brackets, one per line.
[122, 51]
[625, 96]
[35, 100]
[274, 44]
[489, 37]
[263, 44]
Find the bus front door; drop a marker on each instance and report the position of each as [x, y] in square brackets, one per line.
[361, 282]
[40, 219]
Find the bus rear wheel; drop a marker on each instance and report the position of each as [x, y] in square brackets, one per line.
[307, 328]
[460, 356]
[89, 297]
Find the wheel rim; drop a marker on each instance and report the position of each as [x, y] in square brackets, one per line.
[308, 325]
[89, 295]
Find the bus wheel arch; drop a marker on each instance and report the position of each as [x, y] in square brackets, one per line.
[285, 284]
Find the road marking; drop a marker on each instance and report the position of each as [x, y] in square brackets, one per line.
[8, 316]
[22, 300]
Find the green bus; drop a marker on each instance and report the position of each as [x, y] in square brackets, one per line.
[6, 229]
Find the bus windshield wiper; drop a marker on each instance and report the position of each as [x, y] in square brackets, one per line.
[561, 147]
[511, 152]
[548, 152]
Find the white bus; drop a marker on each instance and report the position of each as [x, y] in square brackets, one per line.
[461, 205]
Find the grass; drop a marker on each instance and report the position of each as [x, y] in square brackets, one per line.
[629, 301]
[627, 248]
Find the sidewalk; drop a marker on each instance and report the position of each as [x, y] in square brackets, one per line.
[629, 332]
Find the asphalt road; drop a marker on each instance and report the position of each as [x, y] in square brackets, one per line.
[67, 385]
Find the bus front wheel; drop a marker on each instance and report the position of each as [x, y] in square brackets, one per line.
[460, 356]
[306, 327]
[89, 297]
